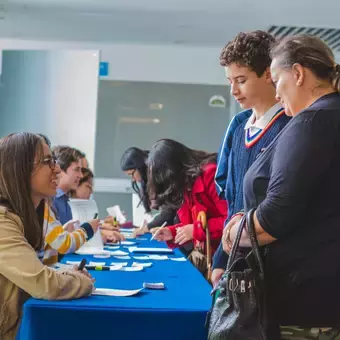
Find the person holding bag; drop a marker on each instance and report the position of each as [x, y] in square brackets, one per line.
[184, 179]
[294, 186]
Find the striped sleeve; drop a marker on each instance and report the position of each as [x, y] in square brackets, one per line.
[61, 240]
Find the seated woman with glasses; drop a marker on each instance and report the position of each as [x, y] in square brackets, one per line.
[28, 176]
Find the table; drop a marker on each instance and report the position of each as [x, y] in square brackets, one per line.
[178, 312]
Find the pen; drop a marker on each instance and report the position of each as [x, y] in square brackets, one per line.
[157, 232]
[82, 264]
[95, 216]
[97, 267]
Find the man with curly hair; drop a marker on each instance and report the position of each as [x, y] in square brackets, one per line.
[246, 61]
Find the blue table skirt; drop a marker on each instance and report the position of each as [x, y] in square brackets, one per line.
[178, 312]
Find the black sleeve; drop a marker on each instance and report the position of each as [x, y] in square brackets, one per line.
[166, 214]
[302, 156]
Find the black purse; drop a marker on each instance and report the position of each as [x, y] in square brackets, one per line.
[239, 308]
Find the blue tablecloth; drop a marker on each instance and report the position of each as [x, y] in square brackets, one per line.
[178, 312]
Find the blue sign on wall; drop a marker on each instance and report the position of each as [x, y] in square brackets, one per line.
[104, 69]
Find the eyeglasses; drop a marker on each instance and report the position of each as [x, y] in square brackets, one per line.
[50, 161]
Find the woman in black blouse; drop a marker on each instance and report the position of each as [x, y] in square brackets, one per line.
[295, 187]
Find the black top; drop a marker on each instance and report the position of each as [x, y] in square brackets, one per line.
[295, 183]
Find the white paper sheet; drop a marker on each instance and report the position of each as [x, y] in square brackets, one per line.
[141, 257]
[127, 243]
[145, 264]
[73, 262]
[178, 259]
[112, 247]
[116, 292]
[132, 269]
[126, 257]
[158, 257]
[97, 263]
[119, 253]
[116, 212]
[83, 210]
[123, 264]
[92, 251]
[150, 250]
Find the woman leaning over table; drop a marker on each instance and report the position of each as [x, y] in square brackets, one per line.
[28, 176]
[184, 179]
[294, 186]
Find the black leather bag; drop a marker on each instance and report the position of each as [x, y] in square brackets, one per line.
[239, 309]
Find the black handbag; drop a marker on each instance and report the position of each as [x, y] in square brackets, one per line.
[239, 308]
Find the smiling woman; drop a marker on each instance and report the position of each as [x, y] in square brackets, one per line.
[28, 176]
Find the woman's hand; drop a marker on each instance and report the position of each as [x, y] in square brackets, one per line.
[227, 241]
[163, 235]
[184, 234]
[111, 236]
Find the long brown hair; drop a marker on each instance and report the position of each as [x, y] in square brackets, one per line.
[310, 52]
[18, 152]
[173, 169]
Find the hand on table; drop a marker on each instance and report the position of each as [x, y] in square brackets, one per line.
[110, 224]
[111, 236]
[84, 272]
[162, 235]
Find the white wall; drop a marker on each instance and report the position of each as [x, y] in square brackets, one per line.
[52, 92]
[142, 62]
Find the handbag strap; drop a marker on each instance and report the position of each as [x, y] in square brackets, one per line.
[247, 220]
[253, 239]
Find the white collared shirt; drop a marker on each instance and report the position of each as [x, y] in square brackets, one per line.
[254, 125]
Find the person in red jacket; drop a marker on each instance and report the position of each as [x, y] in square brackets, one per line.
[184, 178]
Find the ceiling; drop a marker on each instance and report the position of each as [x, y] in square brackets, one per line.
[179, 22]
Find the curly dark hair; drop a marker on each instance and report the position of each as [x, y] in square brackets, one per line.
[250, 49]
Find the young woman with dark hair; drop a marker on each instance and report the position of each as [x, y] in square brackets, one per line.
[133, 163]
[184, 179]
[27, 177]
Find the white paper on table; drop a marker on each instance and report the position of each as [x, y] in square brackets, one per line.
[118, 253]
[132, 269]
[92, 251]
[116, 266]
[127, 243]
[73, 262]
[141, 257]
[123, 257]
[145, 264]
[83, 210]
[123, 264]
[117, 213]
[158, 257]
[97, 263]
[178, 259]
[116, 292]
[150, 250]
[112, 247]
